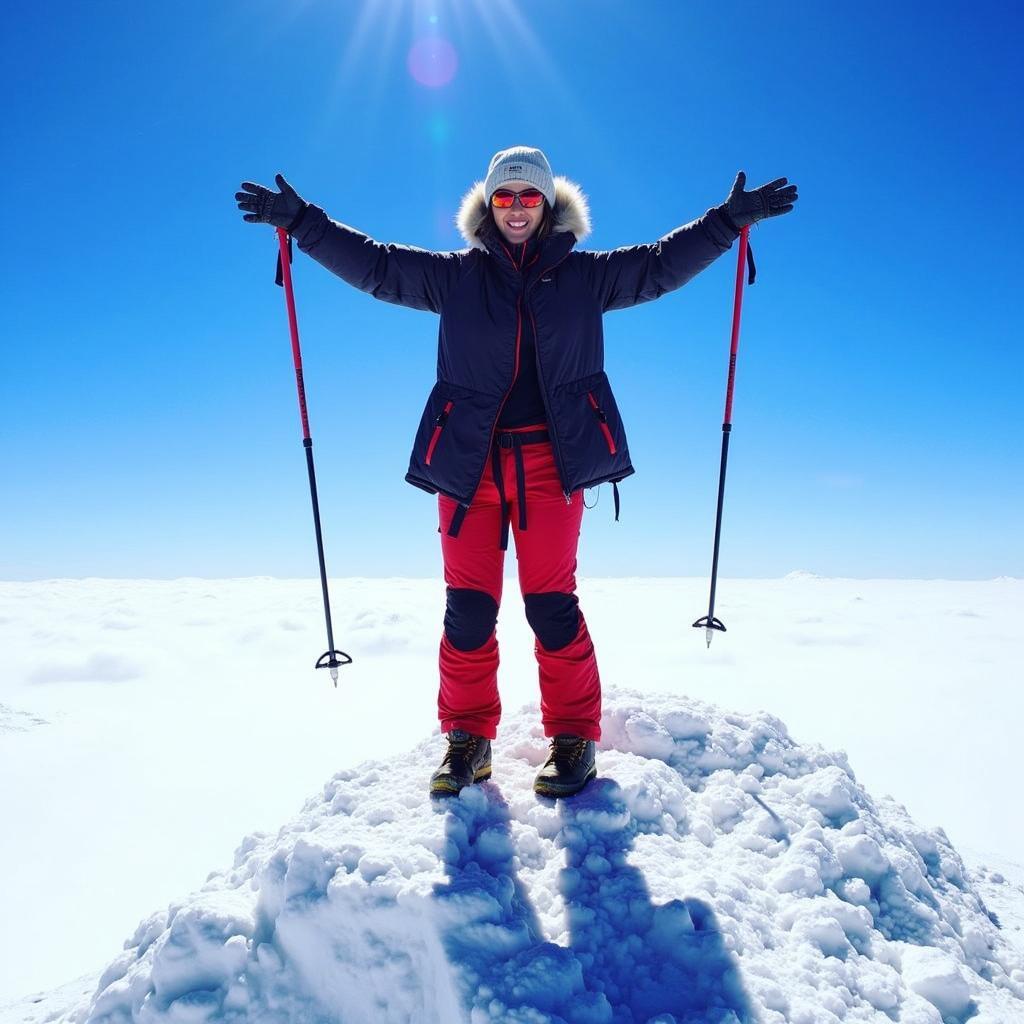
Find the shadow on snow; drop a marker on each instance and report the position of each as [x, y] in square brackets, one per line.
[628, 960]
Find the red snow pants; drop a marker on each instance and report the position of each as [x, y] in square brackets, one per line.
[546, 533]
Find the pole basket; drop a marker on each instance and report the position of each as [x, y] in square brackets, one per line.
[330, 660]
[333, 656]
[711, 622]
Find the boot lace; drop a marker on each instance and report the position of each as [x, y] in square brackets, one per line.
[566, 753]
[464, 748]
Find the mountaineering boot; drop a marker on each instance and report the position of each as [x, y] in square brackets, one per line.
[571, 764]
[467, 760]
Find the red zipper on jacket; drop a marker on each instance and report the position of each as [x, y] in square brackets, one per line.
[515, 369]
[439, 424]
[540, 377]
[602, 422]
[515, 372]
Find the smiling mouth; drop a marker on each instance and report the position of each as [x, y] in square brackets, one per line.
[517, 226]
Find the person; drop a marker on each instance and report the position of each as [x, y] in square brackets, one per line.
[520, 420]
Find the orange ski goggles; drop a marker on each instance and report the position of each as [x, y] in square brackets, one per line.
[529, 198]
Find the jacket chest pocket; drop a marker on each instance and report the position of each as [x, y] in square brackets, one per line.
[439, 424]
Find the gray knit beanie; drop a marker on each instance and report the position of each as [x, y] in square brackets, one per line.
[520, 163]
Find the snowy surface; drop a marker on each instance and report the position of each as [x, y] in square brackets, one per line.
[1000, 883]
[715, 872]
[150, 724]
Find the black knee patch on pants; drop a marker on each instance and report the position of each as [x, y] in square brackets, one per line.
[554, 618]
[469, 618]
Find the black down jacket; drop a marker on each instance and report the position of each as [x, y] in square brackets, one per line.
[482, 299]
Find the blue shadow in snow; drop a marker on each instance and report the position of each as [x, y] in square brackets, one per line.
[627, 960]
[647, 959]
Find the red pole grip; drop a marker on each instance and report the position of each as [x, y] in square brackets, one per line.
[286, 276]
[736, 307]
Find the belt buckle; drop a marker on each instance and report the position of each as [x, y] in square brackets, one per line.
[506, 440]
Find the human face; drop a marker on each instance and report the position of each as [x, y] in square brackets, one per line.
[527, 220]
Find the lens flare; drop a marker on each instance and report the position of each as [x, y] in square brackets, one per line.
[432, 61]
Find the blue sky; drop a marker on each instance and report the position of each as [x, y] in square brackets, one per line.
[148, 418]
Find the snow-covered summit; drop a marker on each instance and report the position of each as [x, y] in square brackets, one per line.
[715, 871]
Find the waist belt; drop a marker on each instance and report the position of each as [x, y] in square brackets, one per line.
[515, 441]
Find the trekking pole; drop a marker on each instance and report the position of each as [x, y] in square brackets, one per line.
[709, 622]
[330, 658]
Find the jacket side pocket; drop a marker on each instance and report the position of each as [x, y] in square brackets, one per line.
[439, 425]
[602, 422]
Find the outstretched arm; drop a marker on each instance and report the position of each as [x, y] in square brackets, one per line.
[639, 273]
[403, 274]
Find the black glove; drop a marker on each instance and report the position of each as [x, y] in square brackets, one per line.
[283, 209]
[771, 200]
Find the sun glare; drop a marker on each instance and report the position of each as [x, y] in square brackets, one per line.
[432, 61]
[436, 36]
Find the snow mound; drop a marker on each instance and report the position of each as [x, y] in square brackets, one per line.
[716, 872]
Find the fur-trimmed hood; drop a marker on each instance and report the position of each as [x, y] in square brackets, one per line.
[570, 213]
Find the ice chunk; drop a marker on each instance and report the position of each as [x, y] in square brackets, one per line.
[829, 791]
[933, 974]
[862, 857]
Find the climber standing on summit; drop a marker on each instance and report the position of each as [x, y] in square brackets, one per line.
[519, 421]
